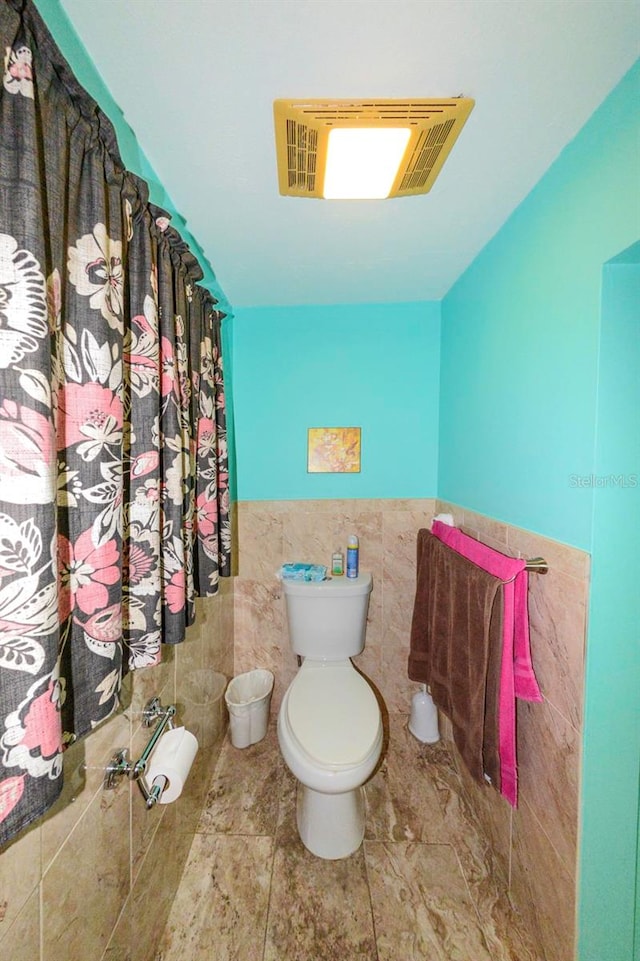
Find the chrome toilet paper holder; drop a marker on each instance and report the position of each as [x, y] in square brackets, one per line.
[121, 764]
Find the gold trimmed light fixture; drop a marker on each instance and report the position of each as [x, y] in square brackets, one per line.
[364, 149]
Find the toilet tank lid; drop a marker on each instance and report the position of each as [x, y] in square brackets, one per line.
[332, 586]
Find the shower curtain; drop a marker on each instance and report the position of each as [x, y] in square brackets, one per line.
[114, 509]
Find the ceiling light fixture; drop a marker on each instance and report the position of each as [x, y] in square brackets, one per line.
[362, 163]
[364, 150]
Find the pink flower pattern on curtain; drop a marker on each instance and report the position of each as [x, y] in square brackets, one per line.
[114, 501]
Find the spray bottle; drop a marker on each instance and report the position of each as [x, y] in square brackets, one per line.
[352, 556]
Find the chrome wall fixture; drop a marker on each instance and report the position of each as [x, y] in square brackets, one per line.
[120, 763]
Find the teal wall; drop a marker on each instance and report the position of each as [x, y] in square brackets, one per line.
[611, 759]
[520, 336]
[539, 398]
[371, 366]
[133, 156]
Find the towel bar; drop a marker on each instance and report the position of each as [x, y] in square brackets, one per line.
[536, 565]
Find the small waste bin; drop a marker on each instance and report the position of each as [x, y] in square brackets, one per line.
[248, 697]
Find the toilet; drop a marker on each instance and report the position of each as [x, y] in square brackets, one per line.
[329, 723]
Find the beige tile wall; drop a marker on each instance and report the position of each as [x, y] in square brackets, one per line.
[536, 845]
[271, 533]
[96, 877]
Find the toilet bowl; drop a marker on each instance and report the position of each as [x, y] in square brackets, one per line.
[329, 724]
[330, 735]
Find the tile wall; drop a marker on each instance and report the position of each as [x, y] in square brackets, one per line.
[536, 845]
[271, 533]
[95, 879]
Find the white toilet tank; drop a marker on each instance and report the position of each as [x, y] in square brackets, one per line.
[328, 619]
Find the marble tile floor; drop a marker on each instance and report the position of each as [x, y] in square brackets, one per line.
[421, 888]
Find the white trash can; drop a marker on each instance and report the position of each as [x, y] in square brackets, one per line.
[248, 697]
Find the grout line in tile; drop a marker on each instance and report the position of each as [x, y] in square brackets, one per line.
[577, 730]
[466, 884]
[510, 859]
[268, 912]
[373, 917]
[111, 938]
[41, 920]
[547, 838]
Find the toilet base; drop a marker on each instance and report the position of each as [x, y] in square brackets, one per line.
[331, 826]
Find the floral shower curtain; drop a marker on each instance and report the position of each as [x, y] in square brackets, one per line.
[114, 506]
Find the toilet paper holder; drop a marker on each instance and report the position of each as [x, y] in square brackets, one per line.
[121, 763]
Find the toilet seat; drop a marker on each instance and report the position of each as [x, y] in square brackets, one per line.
[333, 714]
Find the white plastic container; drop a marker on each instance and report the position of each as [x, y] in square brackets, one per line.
[248, 697]
[423, 721]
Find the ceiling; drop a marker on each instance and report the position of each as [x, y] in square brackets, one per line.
[196, 80]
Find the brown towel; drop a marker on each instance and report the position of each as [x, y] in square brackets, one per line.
[456, 648]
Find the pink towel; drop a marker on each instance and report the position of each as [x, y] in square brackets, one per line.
[517, 678]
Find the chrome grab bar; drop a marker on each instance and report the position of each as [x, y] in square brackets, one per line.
[121, 764]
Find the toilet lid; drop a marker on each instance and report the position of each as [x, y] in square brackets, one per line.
[333, 714]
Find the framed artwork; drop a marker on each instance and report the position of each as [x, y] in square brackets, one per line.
[333, 450]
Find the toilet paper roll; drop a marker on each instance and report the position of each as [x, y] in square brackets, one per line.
[173, 757]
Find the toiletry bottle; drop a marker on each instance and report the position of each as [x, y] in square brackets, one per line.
[352, 556]
[337, 564]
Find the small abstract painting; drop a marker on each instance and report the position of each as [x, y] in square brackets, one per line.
[333, 450]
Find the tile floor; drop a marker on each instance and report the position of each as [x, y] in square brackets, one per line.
[422, 885]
